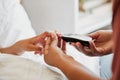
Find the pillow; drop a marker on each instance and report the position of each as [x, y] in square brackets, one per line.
[14, 23]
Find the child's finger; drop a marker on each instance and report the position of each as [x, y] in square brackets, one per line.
[38, 52]
[40, 37]
[34, 48]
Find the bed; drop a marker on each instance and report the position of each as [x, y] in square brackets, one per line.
[16, 25]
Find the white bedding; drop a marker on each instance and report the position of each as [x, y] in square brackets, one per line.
[15, 25]
[18, 68]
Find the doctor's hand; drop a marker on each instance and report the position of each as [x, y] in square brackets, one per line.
[101, 43]
[53, 51]
[27, 45]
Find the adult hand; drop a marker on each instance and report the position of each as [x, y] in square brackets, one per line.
[101, 44]
[53, 51]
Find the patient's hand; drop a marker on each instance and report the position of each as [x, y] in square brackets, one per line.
[27, 45]
[102, 44]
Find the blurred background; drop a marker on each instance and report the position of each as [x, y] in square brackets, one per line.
[69, 16]
[94, 15]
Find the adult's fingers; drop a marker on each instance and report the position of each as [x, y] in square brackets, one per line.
[84, 49]
[80, 47]
[59, 42]
[48, 42]
[88, 51]
[58, 34]
[64, 46]
[59, 39]
[54, 39]
[93, 48]
[94, 35]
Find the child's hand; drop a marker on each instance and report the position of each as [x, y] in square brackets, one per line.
[27, 45]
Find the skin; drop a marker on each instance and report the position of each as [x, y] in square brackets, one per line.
[26, 45]
[100, 45]
[56, 56]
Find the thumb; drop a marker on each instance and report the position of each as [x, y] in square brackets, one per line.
[47, 45]
[54, 39]
[94, 35]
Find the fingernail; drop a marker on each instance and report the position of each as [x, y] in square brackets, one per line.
[36, 53]
[86, 48]
[40, 53]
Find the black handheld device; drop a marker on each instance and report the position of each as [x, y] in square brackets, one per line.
[84, 40]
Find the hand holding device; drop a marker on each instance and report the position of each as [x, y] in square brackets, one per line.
[84, 40]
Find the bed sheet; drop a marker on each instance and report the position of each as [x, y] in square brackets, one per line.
[18, 68]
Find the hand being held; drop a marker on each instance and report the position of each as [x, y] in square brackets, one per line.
[100, 45]
[29, 44]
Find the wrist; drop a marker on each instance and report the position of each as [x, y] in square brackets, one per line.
[65, 60]
[74, 70]
[8, 50]
[3, 50]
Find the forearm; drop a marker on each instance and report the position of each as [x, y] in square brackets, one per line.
[8, 50]
[74, 70]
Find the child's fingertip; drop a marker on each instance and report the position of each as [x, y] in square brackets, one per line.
[40, 53]
[35, 52]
